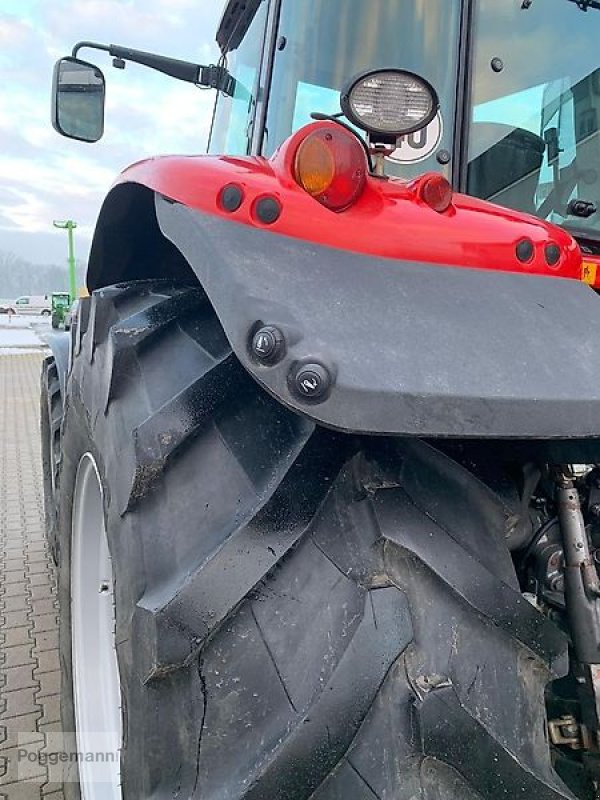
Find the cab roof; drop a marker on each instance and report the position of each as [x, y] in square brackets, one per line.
[236, 19]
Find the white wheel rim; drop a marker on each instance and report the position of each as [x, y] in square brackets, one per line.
[96, 689]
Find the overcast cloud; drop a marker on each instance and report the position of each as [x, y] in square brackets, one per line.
[45, 176]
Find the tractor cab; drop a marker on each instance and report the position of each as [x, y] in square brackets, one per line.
[518, 85]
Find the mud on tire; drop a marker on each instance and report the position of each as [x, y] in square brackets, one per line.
[299, 613]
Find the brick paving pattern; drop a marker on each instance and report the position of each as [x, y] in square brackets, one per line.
[29, 666]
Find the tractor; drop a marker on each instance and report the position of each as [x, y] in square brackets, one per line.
[322, 449]
[61, 303]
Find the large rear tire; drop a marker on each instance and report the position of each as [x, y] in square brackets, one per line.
[299, 613]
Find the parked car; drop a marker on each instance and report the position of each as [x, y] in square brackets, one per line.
[36, 304]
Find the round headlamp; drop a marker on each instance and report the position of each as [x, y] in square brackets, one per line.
[389, 103]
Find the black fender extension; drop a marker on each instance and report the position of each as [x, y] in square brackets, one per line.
[59, 344]
[411, 349]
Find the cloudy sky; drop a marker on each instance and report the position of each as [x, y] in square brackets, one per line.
[45, 176]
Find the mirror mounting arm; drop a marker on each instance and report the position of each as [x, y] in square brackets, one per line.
[92, 45]
[217, 77]
[212, 76]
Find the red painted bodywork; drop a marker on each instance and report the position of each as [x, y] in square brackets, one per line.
[389, 219]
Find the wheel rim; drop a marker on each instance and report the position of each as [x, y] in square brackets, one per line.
[96, 689]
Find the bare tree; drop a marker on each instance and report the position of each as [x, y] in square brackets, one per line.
[19, 276]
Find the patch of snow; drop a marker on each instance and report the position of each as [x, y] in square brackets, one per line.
[22, 351]
[18, 337]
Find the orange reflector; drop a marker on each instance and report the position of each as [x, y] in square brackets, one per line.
[331, 165]
[588, 272]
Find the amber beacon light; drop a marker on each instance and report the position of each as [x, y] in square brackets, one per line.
[331, 165]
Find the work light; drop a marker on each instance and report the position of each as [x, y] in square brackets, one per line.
[389, 103]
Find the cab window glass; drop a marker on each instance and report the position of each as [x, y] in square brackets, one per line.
[323, 44]
[534, 141]
[232, 121]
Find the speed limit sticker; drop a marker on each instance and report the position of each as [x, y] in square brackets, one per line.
[419, 145]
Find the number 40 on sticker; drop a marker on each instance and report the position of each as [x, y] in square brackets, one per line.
[419, 145]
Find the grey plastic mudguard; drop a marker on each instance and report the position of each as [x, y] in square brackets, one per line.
[59, 344]
[413, 348]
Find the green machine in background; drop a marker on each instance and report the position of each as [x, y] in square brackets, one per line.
[61, 303]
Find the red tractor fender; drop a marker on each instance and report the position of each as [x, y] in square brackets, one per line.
[414, 322]
[388, 220]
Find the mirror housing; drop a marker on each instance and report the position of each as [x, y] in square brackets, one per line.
[78, 94]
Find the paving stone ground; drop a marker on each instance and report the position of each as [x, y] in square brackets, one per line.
[29, 666]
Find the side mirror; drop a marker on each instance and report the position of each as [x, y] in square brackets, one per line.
[78, 92]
